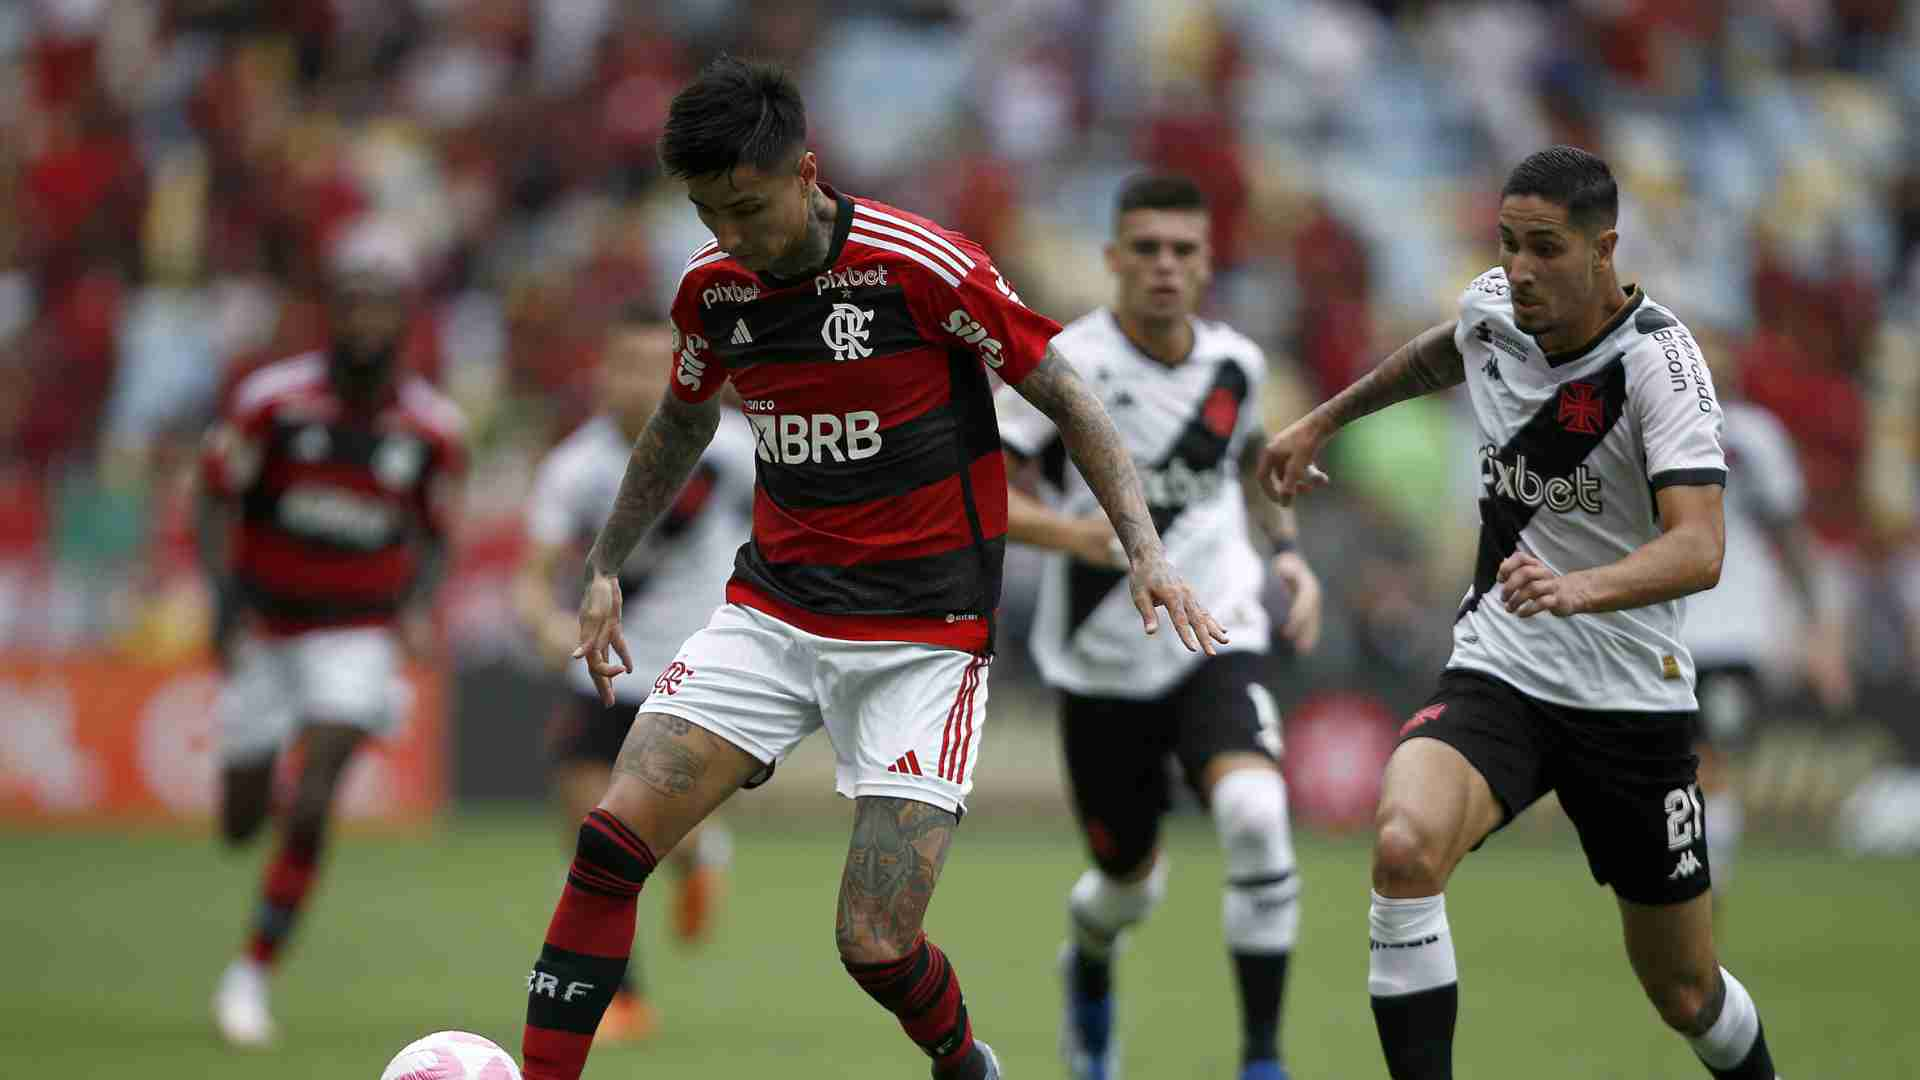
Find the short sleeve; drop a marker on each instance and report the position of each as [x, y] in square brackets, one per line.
[1024, 429]
[698, 371]
[550, 509]
[1681, 422]
[982, 311]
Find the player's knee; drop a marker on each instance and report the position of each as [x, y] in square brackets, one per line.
[1105, 905]
[1250, 812]
[1408, 860]
[860, 942]
[1685, 1000]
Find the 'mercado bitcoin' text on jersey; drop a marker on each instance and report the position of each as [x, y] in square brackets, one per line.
[1573, 447]
[881, 504]
[1186, 427]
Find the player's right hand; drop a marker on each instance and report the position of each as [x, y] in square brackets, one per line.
[1156, 584]
[1286, 467]
[600, 634]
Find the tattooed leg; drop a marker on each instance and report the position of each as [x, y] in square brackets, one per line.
[670, 775]
[893, 863]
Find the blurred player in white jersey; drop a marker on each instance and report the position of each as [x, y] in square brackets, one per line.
[1183, 393]
[671, 582]
[1743, 631]
[1602, 473]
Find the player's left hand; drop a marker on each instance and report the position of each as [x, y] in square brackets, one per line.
[1303, 617]
[1530, 587]
[1156, 584]
[600, 635]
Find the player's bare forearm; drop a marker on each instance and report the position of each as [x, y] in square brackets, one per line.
[1094, 444]
[1274, 521]
[1794, 541]
[1032, 522]
[1427, 364]
[1683, 560]
[663, 456]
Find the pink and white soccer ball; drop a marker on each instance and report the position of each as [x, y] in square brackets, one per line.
[452, 1055]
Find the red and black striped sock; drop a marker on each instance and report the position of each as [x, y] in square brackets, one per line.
[922, 990]
[289, 878]
[586, 951]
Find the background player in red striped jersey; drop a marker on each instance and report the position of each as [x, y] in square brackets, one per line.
[859, 337]
[327, 495]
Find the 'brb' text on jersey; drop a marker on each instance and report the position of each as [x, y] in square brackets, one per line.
[1186, 427]
[880, 510]
[331, 500]
[1573, 448]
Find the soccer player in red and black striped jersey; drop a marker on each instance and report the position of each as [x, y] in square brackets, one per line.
[327, 492]
[860, 338]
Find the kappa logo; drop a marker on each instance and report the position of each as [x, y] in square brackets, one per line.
[1581, 410]
[845, 332]
[728, 292]
[1688, 866]
[849, 279]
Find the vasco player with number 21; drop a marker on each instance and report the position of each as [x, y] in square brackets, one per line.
[860, 338]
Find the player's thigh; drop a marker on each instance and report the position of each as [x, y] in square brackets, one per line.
[326, 749]
[907, 721]
[1628, 782]
[736, 700]
[1116, 754]
[1223, 718]
[898, 847]
[1468, 761]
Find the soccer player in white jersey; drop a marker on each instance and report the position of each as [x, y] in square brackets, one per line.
[1740, 632]
[1601, 471]
[671, 582]
[1183, 393]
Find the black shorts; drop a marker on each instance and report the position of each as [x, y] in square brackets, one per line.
[583, 731]
[1118, 750]
[1625, 779]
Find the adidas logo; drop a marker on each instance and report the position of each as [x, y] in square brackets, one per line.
[910, 765]
[741, 335]
[1688, 864]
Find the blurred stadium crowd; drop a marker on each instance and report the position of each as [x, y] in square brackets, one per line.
[172, 173]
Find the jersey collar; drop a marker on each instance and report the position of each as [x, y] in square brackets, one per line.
[1146, 357]
[1634, 296]
[842, 225]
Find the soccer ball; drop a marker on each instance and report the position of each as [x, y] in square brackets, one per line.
[451, 1055]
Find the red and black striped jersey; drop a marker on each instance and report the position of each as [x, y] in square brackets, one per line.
[331, 500]
[880, 503]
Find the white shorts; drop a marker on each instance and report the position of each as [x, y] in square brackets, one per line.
[905, 719]
[322, 676]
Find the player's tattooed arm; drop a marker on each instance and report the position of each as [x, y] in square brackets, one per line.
[662, 458]
[1094, 444]
[1428, 363]
[1274, 521]
[893, 863]
[1056, 389]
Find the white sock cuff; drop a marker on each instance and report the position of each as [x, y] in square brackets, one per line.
[1727, 1043]
[1410, 947]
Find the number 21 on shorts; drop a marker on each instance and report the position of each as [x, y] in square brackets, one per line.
[1685, 817]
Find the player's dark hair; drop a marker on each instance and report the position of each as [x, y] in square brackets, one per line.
[1159, 191]
[1569, 176]
[736, 112]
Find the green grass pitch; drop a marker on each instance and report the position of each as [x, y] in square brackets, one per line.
[112, 945]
